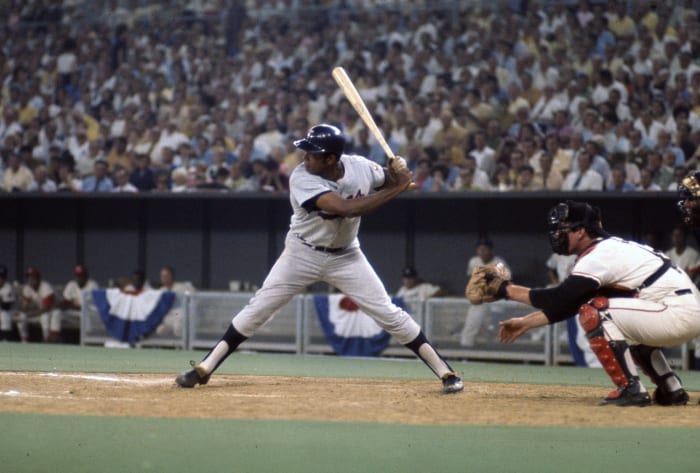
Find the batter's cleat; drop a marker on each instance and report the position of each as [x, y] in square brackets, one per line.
[630, 395]
[663, 397]
[193, 377]
[451, 383]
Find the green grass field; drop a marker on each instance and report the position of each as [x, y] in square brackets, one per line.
[39, 443]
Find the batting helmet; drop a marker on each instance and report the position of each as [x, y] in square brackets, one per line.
[322, 139]
[689, 191]
[570, 216]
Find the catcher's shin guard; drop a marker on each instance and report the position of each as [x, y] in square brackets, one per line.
[611, 353]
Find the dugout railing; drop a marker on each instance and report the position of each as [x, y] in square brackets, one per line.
[205, 316]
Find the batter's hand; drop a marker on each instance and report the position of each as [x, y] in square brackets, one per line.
[509, 330]
[398, 174]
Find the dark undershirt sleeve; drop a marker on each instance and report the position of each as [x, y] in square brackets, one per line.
[563, 301]
[310, 205]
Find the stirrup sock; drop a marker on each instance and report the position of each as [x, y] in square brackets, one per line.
[655, 365]
[227, 345]
[425, 351]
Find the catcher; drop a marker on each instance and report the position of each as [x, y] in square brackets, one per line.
[630, 300]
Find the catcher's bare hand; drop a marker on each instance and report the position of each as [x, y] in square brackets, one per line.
[487, 283]
[509, 330]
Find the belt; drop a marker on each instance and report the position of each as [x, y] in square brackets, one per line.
[683, 292]
[322, 249]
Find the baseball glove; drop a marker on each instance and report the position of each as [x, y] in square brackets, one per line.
[487, 284]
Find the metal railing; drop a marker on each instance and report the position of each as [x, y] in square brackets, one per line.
[205, 316]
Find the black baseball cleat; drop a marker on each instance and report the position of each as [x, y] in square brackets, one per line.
[663, 397]
[193, 377]
[630, 395]
[451, 383]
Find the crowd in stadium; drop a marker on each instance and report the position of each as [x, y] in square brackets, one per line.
[208, 96]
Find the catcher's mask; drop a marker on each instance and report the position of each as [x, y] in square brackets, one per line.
[569, 216]
[689, 191]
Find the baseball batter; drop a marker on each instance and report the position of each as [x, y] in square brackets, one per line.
[631, 301]
[329, 192]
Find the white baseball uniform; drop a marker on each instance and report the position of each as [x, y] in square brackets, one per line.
[323, 247]
[42, 297]
[666, 313]
[7, 300]
[74, 293]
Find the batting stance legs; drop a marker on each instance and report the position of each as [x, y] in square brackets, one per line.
[618, 343]
[350, 272]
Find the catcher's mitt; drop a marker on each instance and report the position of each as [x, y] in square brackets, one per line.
[487, 284]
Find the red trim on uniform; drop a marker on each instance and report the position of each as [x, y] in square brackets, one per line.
[48, 301]
[587, 250]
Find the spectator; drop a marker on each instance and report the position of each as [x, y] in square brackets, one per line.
[273, 180]
[218, 184]
[7, 302]
[143, 177]
[118, 156]
[619, 182]
[584, 178]
[437, 181]
[485, 156]
[180, 178]
[548, 178]
[662, 175]
[525, 181]
[42, 181]
[67, 182]
[646, 182]
[17, 177]
[121, 182]
[99, 181]
[38, 305]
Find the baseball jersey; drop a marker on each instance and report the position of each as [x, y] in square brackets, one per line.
[40, 298]
[686, 260]
[476, 261]
[361, 177]
[561, 264]
[7, 296]
[617, 263]
[74, 293]
[420, 291]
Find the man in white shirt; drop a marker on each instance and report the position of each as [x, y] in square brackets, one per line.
[685, 257]
[585, 178]
[72, 302]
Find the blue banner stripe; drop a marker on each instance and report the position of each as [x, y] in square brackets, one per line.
[131, 330]
[350, 346]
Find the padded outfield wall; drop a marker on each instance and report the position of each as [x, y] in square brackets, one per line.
[212, 239]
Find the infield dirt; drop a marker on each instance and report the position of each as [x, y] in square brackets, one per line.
[327, 399]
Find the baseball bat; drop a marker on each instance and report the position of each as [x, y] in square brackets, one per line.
[353, 96]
